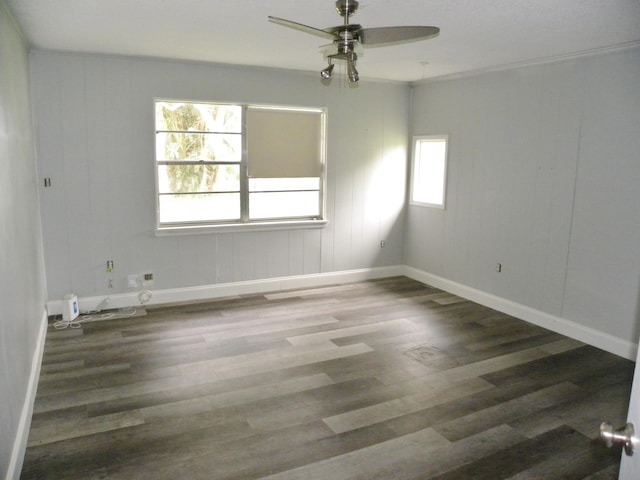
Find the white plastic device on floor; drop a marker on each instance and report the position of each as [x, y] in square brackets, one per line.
[70, 309]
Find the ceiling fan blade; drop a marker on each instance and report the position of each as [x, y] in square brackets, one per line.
[303, 28]
[389, 35]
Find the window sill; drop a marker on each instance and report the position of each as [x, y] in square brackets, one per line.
[437, 206]
[244, 227]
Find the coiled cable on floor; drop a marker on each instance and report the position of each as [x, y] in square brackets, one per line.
[62, 324]
[78, 321]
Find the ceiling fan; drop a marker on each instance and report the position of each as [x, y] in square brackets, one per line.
[348, 37]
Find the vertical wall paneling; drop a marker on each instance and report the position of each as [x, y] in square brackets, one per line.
[95, 121]
[261, 258]
[187, 257]
[543, 179]
[75, 178]
[345, 159]
[461, 169]
[207, 259]
[22, 267]
[312, 251]
[604, 252]
[167, 273]
[382, 200]
[224, 258]
[296, 252]
[51, 164]
[99, 234]
[244, 256]
[277, 253]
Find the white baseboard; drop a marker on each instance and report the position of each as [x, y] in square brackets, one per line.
[615, 345]
[206, 292]
[22, 435]
[571, 329]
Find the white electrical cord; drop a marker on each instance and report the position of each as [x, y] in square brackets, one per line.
[77, 322]
[144, 296]
[62, 324]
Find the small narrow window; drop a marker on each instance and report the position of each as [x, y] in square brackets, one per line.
[429, 170]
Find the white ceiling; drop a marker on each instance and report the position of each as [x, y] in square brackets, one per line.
[475, 34]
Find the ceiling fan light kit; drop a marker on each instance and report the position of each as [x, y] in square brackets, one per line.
[349, 37]
[326, 72]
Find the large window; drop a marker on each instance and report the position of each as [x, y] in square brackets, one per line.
[429, 170]
[221, 164]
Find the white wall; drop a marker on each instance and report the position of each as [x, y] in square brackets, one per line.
[94, 133]
[22, 283]
[544, 177]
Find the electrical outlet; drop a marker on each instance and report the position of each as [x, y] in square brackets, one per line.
[147, 279]
[383, 244]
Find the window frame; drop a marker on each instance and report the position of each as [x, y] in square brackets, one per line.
[417, 139]
[244, 223]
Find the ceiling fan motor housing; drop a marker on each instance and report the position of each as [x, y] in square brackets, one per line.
[345, 42]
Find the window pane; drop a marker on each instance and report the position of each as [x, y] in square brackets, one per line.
[198, 178]
[284, 204]
[199, 208]
[429, 168]
[224, 148]
[198, 117]
[174, 146]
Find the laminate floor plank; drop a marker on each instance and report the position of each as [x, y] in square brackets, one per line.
[209, 395]
[434, 460]
[297, 455]
[609, 473]
[507, 412]
[460, 408]
[580, 413]
[535, 454]
[368, 459]
[362, 417]
[51, 432]
[383, 379]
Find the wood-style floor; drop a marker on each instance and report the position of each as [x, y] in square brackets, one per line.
[388, 379]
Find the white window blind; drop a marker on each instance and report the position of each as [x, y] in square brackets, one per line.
[284, 143]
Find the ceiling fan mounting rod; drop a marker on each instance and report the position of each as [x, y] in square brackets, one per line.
[346, 8]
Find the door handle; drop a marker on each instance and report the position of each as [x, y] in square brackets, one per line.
[622, 436]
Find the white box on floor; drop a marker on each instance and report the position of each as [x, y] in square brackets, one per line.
[70, 307]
